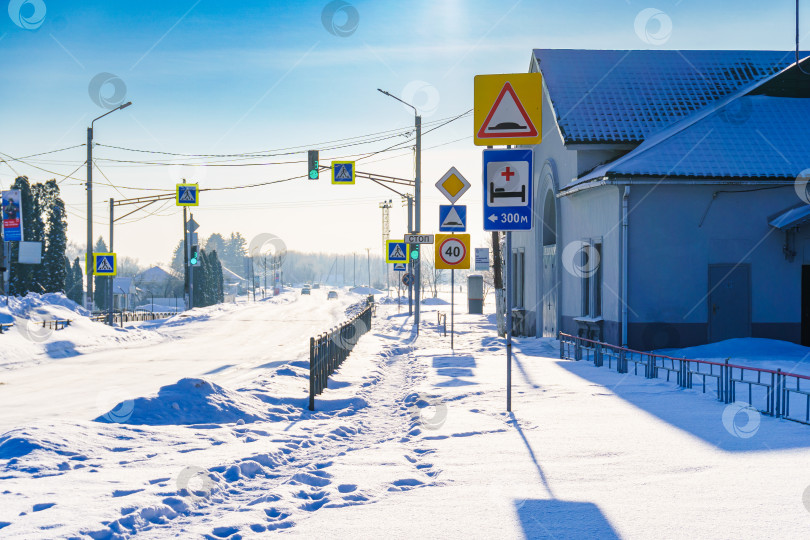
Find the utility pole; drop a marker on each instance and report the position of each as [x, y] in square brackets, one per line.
[409, 199]
[418, 209]
[354, 257]
[386, 234]
[417, 196]
[185, 248]
[112, 282]
[89, 256]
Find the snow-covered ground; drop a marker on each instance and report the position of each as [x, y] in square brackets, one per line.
[197, 427]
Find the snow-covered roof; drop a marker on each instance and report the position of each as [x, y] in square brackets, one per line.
[752, 137]
[603, 96]
[157, 274]
[123, 285]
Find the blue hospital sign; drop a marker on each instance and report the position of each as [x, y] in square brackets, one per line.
[507, 190]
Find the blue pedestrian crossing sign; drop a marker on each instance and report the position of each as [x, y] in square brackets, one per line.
[104, 264]
[396, 251]
[187, 195]
[343, 172]
[400, 267]
[452, 218]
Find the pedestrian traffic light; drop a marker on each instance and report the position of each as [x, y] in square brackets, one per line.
[312, 164]
[194, 258]
[414, 252]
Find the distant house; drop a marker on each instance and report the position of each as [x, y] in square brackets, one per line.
[670, 207]
[124, 293]
[160, 281]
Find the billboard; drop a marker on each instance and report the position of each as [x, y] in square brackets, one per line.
[12, 216]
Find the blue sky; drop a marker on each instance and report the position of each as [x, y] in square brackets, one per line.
[219, 77]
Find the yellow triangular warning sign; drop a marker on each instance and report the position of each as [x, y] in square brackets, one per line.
[507, 117]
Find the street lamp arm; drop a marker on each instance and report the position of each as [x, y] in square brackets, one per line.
[396, 98]
[124, 106]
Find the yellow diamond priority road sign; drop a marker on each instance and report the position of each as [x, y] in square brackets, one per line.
[453, 185]
[508, 109]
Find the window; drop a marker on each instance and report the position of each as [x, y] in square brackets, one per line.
[590, 266]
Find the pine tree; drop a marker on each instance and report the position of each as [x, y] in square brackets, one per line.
[77, 291]
[219, 285]
[70, 280]
[234, 252]
[214, 243]
[101, 284]
[54, 274]
[178, 259]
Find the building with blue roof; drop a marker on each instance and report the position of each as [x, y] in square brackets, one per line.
[671, 206]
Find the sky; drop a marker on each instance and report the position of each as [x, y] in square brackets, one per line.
[278, 78]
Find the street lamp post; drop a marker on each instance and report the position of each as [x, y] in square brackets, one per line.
[417, 198]
[89, 257]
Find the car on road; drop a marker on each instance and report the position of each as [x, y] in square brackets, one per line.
[305, 289]
[331, 295]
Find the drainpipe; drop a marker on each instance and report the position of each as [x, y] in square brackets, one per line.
[625, 202]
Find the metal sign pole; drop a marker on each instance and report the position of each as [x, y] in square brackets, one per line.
[452, 303]
[509, 285]
[112, 250]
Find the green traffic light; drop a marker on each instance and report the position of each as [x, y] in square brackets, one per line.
[415, 254]
[313, 174]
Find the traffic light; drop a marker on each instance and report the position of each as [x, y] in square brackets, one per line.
[312, 164]
[414, 251]
[194, 258]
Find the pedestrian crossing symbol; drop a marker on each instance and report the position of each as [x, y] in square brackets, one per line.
[104, 264]
[343, 172]
[396, 251]
[187, 195]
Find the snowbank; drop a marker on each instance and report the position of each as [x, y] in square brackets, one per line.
[40, 307]
[189, 401]
[434, 302]
[365, 290]
[754, 352]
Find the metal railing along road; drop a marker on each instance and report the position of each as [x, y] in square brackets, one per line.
[775, 393]
[132, 316]
[328, 350]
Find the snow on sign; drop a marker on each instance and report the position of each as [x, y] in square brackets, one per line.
[187, 195]
[452, 218]
[343, 172]
[396, 251]
[104, 264]
[507, 190]
[453, 185]
[508, 109]
[452, 252]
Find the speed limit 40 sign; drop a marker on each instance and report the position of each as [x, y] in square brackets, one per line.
[452, 252]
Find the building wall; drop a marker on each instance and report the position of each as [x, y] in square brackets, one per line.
[672, 245]
[554, 166]
[592, 216]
